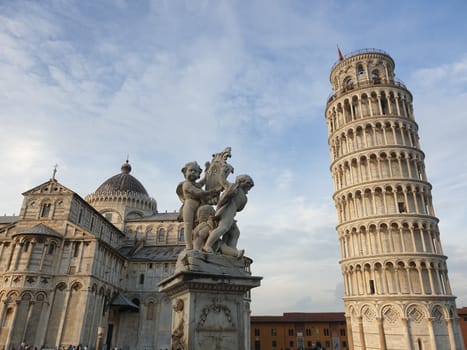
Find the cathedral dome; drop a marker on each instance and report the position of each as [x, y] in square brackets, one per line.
[121, 197]
[123, 182]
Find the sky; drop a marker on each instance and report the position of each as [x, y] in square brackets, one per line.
[86, 84]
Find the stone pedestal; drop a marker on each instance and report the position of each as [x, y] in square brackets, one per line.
[210, 297]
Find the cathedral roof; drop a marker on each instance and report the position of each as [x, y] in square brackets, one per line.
[152, 253]
[122, 302]
[40, 230]
[123, 182]
[172, 216]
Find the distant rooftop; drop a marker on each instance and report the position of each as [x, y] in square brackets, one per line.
[302, 317]
[171, 216]
[8, 219]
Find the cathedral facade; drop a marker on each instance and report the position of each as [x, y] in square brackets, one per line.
[85, 272]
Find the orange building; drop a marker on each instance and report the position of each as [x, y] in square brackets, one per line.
[300, 330]
[310, 331]
[462, 312]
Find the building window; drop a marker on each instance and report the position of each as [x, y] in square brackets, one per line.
[141, 278]
[273, 332]
[26, 246]
[181, 235]
[256, 332]
[257, 345]
[108, 216]
[45, 210]
[328, 344]
[80, 215]
[274, 344]
[344, 344]
[150, 313]
[326, 332]
[160, 235]
[291, 343]
[342, 332]
[309, 343]
[51, 249]
[76, 250]
[291, 332]
[308, 332]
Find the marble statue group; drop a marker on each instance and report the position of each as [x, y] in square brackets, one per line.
[210, 205]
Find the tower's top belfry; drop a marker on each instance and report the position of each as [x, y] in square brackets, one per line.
[362, 68]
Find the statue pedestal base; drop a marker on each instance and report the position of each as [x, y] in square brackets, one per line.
[210, 295]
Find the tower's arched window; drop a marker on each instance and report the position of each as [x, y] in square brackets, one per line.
[360, 70]
[348, 84]
[375, 78]
[26, 246]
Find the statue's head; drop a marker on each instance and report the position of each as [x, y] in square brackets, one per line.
[245, 182]
[192, 171]
[227, 153]
[178, 305]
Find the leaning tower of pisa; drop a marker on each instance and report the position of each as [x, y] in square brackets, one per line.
[396, 287]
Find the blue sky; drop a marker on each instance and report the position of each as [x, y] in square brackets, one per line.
[86, 83]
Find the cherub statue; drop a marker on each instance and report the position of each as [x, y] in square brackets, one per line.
[201, 232]
[233, 200]
[192, 196]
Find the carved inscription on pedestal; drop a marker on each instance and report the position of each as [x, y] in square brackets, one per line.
[216, 328]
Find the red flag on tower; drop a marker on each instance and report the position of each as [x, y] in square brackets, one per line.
[339, 53]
